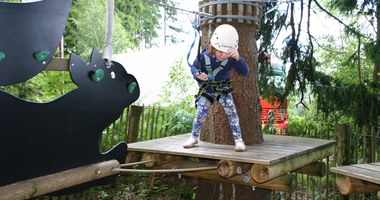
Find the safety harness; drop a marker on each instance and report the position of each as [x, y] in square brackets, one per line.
[221, 88]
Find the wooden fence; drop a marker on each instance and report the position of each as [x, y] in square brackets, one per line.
[355, 145]
[138, 123]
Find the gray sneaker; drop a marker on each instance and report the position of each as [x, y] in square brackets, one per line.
[191, 142]
[239, 146]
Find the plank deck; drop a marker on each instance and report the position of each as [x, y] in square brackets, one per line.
[273, 150]
[366, 172]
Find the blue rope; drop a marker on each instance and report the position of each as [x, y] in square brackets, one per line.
[196, 26]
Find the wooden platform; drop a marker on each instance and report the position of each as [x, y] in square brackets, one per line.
[274, 149]
[366, 172]
[266, 165]
[358, 178]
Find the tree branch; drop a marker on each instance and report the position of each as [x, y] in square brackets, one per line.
[340, 21]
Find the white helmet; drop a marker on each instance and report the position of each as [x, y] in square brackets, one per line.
[225, 37]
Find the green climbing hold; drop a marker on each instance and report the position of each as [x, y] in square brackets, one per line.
[41, 55]
[131, 87]
[98, 75]
[2, 56]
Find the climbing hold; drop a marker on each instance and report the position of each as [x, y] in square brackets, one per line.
[41, 55]
[132, 87]
[98, 75]
[2, 56]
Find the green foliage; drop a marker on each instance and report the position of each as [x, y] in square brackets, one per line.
[348, 84]
[87, 25]
[141, 19]
[180, 121]
[135, 22]
[43, 87]
[179, 89]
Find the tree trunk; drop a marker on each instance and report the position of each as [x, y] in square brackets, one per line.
[215, 190]
[246, 98]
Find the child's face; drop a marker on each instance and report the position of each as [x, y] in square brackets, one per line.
[220, 55]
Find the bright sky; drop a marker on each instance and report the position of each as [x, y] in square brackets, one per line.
[151, 66]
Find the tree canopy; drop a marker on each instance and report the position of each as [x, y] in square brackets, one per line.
[341, 72]
[135, 24]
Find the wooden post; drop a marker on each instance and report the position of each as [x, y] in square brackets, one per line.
[348, 185]
[50, 183]
[314, 169]
[378, 195]
[228, 169]
[344, 144]
[133, 128]
[262, 173]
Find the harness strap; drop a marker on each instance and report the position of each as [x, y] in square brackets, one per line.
[215, 85]
[221, 66]
[212, 73]
[208, 67]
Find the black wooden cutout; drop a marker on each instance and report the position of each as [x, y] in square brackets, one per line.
[37, 139]
[28, 28]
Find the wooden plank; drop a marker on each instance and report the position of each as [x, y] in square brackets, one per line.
[249, 11]
[265, 153]
[241, 12]
[58, 64]
[219, 11]
[369, 167]
[359, 172]
[229, 11]
[212, 11]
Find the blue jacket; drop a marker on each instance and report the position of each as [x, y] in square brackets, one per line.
[220, 72]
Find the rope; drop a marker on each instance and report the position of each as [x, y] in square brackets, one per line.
[107, 54]
[137, 163]
[165, 170]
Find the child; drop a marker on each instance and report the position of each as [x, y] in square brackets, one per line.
[214, 82]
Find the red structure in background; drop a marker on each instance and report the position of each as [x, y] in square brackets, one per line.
[274, 117]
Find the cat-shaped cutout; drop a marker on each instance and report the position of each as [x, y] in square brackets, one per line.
[37, 139]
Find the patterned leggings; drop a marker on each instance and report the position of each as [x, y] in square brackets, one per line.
[227, 102]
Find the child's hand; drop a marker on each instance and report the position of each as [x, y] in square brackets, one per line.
[202, 76]
[233, 53]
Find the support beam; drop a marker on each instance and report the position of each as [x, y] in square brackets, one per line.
[314, 169]
[228, 169]
[151, 156]
[284, 183]
[50, 183]
[262, 173]
[348, 185]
